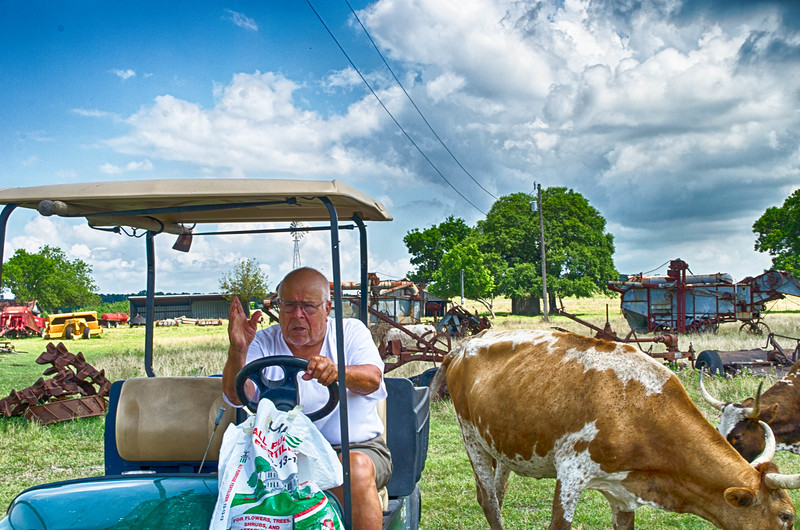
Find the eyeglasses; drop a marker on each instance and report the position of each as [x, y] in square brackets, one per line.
[290, 306]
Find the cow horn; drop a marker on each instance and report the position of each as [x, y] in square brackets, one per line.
[777, 480]
[714, 402]
[752, 412]
[769, 446]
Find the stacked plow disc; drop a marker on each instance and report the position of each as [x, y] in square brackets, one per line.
[75, 390]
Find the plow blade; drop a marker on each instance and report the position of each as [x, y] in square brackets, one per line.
[67, 409]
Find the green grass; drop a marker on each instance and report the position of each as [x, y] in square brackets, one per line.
[33, 454]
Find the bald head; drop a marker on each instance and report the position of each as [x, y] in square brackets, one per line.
[308, 277]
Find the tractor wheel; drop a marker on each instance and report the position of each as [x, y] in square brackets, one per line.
[710, 361]
[754, 327]
[87, 333]
[68, 332]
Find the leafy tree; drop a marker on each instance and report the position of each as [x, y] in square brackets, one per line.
[579, 251]
[429, 246]
[245, 281]
[510, 230]
[49, 277]
[478, 281]
[778, 231]
[108, 307]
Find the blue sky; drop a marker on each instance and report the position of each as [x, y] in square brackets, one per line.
[678, 121]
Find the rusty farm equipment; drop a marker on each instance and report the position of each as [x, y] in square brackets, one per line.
[669, 340]
[414, 342]
[20, 321]
[731, 362]
[76, 390]
[684, 303]
[458, 321]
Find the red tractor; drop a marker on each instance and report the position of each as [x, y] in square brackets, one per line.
[19, 321]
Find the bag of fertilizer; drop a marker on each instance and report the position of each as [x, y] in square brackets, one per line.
[272, 470]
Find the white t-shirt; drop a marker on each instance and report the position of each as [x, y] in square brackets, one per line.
[359, 348]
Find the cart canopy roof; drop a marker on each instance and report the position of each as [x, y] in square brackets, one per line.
[175, 202]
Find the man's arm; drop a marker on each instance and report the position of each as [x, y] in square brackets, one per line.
[241, 333]
[360, 378]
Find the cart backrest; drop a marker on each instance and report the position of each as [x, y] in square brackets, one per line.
[407, 425]
[164, 424]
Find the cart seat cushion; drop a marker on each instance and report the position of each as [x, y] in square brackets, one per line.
[170, 419]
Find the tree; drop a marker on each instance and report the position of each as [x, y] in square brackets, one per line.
[245, 281]
[478, 281]
[510, 230]
[429, 246]
[778, 232]
[49, 277]
[579, 251]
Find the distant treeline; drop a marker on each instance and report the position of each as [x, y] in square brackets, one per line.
[111, 298]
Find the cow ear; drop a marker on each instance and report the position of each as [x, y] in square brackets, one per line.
[748, 402]
[740, 497]
[767, 415]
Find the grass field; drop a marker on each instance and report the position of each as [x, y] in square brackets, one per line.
[33, 454]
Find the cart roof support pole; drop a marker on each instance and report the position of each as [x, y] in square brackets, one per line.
[150, 304]
[3, 221]
[362, 238]
[340, 360]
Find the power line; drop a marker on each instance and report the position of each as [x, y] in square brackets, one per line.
[421, 152]
[414, 104]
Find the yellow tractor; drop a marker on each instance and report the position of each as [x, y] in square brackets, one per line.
[72, 326]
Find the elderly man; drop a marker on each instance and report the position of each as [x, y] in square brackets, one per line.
[304, 330]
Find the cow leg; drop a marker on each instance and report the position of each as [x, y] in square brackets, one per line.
[622, 518]
[560, 519]
[482, 466]
[501, 473]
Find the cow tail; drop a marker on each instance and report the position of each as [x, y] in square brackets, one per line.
[438, 379]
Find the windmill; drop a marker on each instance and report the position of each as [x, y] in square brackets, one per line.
[298, 233]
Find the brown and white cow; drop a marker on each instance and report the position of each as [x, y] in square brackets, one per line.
[778, 407]
[600, 415]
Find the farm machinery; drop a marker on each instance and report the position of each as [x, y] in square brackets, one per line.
[19, 321]
[772, 355]
[685, 303]
[72, 326]
[679, 303]
[113, 320]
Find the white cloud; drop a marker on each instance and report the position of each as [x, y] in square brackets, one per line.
[241, 20]
[254, 125]
[93, 113]
[111, 169]
[346, 78]
[124, 74]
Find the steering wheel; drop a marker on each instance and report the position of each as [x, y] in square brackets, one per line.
[283, 392]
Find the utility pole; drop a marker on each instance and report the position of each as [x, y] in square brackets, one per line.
[462, 286]
[545, 309]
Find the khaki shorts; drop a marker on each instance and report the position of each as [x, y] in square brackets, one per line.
[377, 451]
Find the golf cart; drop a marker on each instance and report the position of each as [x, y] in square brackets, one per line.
[163, 434]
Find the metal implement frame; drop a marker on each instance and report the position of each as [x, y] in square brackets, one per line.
[684, 304]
